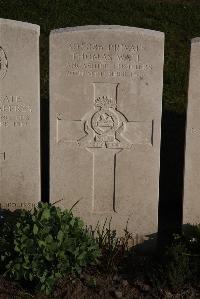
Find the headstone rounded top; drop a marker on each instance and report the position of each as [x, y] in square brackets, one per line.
[24, 25]
[157, 34]
[195, 40]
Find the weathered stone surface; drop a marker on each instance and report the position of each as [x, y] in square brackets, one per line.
[105, 110]
[191, 204]
[19, 115]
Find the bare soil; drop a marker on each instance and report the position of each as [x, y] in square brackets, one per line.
[105, 286]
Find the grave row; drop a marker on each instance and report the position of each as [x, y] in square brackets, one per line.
[105, 123]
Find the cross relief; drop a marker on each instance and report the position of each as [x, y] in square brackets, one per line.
[104, 131]
[2, 158]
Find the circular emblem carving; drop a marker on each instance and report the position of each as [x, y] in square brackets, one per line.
[3, 63]
[104, 121]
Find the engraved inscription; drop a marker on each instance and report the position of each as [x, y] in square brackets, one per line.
[106, 60]
[14, 112]
[106, 133]
[3, 63]
[18, 205]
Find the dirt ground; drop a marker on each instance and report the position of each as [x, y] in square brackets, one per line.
[104, 286]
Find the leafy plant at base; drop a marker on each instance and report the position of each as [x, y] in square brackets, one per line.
[174, 269]
[8, 223]
[48, 244]
[181, 262]
[191, 239]
[177, 268]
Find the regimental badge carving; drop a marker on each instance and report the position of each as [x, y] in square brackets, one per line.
[104, 125]
[3, 63]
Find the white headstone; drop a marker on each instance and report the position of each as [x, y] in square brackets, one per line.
[19, 115]
[191, 203]
[105, 115]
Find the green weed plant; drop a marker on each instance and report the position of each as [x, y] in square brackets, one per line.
[45, 245]
[114, 249]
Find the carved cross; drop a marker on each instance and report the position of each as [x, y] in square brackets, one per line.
[104, 132]
[2, 158]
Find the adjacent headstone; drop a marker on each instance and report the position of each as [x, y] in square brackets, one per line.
[191, 204]
[19, 115]
[105, 110]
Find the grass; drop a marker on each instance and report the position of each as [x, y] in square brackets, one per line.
[180, 20]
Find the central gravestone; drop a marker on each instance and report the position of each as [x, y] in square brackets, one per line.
[19, 115]
[106, 91]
